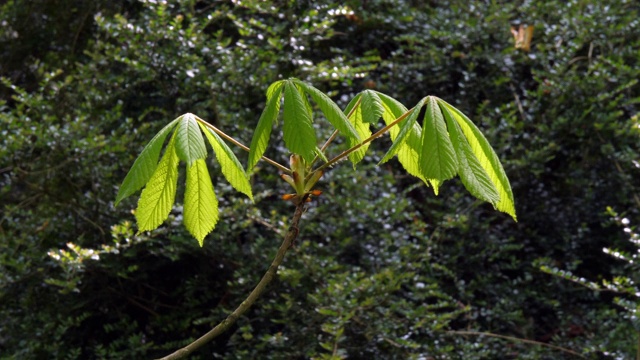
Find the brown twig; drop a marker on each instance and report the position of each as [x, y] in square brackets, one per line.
[515, 339]
[225, 324]
[379, 133]
[241, 145]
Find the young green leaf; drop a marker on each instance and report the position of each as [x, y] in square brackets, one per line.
[200, 203]
[189, 142]
[262, 132]
[299, 135]
[145, 164]
[231, 167]
[474, 178]
[321, 154]
[274, 88]
[438, 158]
[330, 110]
[158, 196]
[405, 130]
[409, 153]
[372, 108]
[361, 127]
[487, 159]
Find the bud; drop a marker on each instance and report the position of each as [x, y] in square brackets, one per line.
[297, 172]
[313, 179]
[297, 164]
[288, 179]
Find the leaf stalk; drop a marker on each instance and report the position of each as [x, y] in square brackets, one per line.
[335, 132]
[379, 133]
[241, 145]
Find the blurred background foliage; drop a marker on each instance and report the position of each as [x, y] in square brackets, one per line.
[383, 268]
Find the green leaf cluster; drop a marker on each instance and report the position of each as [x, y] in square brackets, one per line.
[298, 132]
[446, 144]
[160, 179]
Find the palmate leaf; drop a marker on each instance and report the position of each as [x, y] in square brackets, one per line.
[231, 167]
[274, 88]
[487, 159]
[409, 152]
[189, 142]
[160, 192]
[361, 127]
[145, 165]
[262, 132]
[438, 158]
[330, 110]
[299, 135]
[372, 108]
[200, 203]
[474, 178]
[406, 127]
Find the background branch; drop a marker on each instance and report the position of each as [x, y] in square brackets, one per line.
[225, 324]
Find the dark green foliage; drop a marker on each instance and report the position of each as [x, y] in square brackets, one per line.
[383, 268]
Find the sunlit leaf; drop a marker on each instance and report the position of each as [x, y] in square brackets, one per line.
[438, 158]
[189, 142]
[274, 89]
[372, 108]
[200, 203]
[409, 153]
[231, 167]
[160, 192]
[330, 110]
[362, 128]
[406, 127]
[474, 178]
[145, 164]
[262, 132]
[299, 135]
[487, 158]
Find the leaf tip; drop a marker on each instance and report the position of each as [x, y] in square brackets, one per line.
[435, 183]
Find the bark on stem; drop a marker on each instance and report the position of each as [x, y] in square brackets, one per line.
[225, 324]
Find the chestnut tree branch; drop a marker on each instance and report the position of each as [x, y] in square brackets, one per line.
[225, 324]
